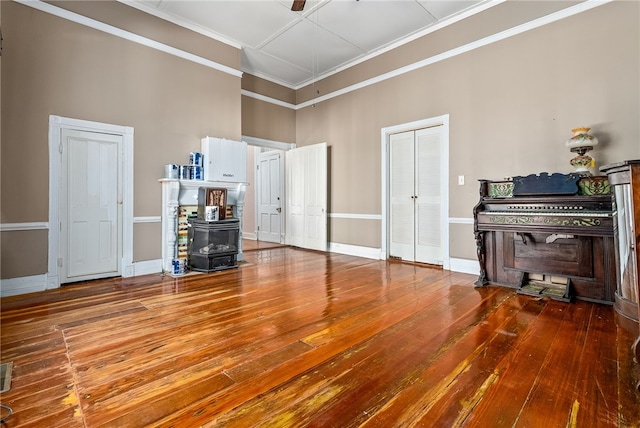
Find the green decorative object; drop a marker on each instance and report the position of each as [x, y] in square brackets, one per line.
[511, 220]
[575, 221]
[594, 186]
[501, 189]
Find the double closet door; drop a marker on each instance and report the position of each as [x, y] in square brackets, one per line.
[415, 196]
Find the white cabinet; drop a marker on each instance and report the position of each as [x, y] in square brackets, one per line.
[224, 160]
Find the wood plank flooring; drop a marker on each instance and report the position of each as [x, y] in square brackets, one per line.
[298, 338]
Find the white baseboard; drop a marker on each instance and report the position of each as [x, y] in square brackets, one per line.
[35, 283]
[355, 250]
[464, 266]
[23, 285]
[455, 265]
[250, 236]
[147, 267]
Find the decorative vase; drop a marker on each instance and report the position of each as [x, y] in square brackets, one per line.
[581, 143]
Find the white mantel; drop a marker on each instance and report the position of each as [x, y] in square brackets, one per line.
[185, 192]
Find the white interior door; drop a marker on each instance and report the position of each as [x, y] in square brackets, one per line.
[90, 206]
[415, 196]
[270, 196]
[428, 239]
[295, 197]
[402, 196]
[307, 197]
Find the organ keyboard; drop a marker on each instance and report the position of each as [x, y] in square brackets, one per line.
[547, 239]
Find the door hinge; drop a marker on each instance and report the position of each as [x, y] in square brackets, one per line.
[60, 147]
[257, 166]
[258, 228]
[60, 262]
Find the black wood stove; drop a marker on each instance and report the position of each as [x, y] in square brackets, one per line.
[213, 245]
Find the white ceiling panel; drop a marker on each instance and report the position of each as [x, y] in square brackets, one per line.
[311, 47]
[247, 22]
[442, 9]
[372, 24]
[255, 62]
[293, 48]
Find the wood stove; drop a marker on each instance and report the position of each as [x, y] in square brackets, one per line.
[213, 245]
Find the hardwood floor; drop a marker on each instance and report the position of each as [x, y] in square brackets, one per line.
[252, 245]
[300, 338]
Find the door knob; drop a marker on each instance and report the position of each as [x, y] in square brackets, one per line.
[279, 209]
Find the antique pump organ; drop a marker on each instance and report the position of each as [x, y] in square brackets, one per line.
[549, 235]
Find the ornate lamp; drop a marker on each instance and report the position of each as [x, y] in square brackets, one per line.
[581, 143]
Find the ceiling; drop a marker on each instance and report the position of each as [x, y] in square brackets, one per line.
[295, 48]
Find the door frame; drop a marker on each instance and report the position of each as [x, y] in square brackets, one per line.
[385, 134]
[258, 144]
[125, 172]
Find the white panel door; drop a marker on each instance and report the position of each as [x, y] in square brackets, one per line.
[91, 208]
[428, 244]
[402, 196]
[269, 196]
[307, 197]
[415, 196]
[315, 197]
[295, 197]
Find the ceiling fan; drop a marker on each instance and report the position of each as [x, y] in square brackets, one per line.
[297, 5]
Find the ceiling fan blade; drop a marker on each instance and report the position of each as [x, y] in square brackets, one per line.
[297, 5]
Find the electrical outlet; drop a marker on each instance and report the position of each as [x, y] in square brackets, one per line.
[461, 180]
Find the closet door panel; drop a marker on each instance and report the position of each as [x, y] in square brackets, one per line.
[428, 237]
[401, 183]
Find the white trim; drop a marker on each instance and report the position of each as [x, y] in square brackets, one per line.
[356, 216]
[497, 37]
[181, 22]
[432, 29]
[147, 219]
[208, 33]
[249, 236]
[355, 250]
[455, 265]
[22, 285]
[460, 220]
[56, 125]
[147, 267]
[385, 134]
[270, 144]
[514, 31]
[257, 144]
[465, 266]
[11, 227]
[267, 99]
[114, 31]
[36, 283]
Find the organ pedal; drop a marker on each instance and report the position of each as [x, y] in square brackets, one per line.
[541, 285]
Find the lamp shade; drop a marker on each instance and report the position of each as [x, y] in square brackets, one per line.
[581, 138]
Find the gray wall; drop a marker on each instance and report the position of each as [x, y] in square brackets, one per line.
[52, 66]
[512, 105]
